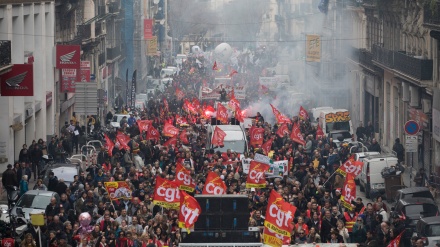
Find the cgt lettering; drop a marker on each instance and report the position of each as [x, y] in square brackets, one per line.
[337, 117]
[282, 218]
[170, 194]
[256, 175]
[189, 214]
[216, 190]
[184, 177]
[350, 168]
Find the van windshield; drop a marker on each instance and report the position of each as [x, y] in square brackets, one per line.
[337, 126]
[236, 146]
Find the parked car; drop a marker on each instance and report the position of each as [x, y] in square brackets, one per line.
[411, 210]
[34, 202]
[428, 229]
[413, 192]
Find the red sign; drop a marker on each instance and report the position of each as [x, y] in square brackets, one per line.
[85, 71]
[256, 136]
[183, 178]
[218, 137]
[189, 210]
[256, 177]
[279, 215]
[166, 193]
[148, 29]
[214, 185]
[19, 81]
[68, 56]
[68, 79]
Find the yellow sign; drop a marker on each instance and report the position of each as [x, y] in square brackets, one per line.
[152, 46]
[313, 48]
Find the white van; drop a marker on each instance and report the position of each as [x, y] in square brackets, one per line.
[167, 72]
[360, 157]
[235, 138]
[371, 177]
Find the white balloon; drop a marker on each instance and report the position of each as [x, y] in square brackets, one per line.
[223, 52]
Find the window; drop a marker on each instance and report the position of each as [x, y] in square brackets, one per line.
[432, 230]
[416, 210]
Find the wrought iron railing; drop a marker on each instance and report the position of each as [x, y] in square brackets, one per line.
[5, 52]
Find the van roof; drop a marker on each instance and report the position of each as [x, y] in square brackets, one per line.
[380, 156]
[413, 190]
[365, 154]
[325, 111]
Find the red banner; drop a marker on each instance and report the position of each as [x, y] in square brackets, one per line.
[166, 193]
[279, 116]
[169, 130]
[184, 137]
[19, 81]
[148, 29]
[349, 191]
[109, 145]
[319, 132]
[214, 185]
[85, 71]
[222, 114]
[239, 115]
[144, 125]
[283, 130]
[257, 177]
[351, 167]
[189, 210]
[172, 141]
[267, 146]
[118, 190]
[183, 178]
[123, 140]
[68, 57]
[256, 136]
[296, 135]
[279, 215]
[303, 113]
[68, 80]
[218, 137]
[152, 134]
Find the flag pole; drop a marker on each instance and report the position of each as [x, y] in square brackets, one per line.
[330, 177]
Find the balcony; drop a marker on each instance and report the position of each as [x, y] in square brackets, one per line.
[5, 53]
[101, 59]
[411, 66]
[113, 53]
[432, 17]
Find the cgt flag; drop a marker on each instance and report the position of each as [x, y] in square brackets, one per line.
[296, 135]
[123, 140]
[279, 116]
[189, 210]
[267, 146]
[256, 136]
[183, 137]
[279, 215]
[183, 178]
[179, 94]
[214, 185]
[153, 133]
[169, 130]
[319, 132]
[351, 167]
[257, 177]
[144, 125]
[218, 137]
[396, 242]
[222, 113]
[172, 141]
[19, 81]
[303, 113]
[109, 145]
[275, 240]
[282, 130]
[349, 191]
[166, 193]
[214, 67]
[181, 121]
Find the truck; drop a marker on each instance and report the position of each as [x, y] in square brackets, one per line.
[235, 138]
[335, 119]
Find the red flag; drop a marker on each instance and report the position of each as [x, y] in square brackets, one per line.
[351, 167]
[267, 146]
[396, 242]
[319, 132]
[234, 103]
[231, 94]
[152, 134]
[188, 107]
[109, 145]
[169, 130]
[172, 141]
[303, 113]
[263, 90]
[256, 136]
[279, 116]
[183, 137]
[144, 125]
[165, 103]
[123, 140]
[214, 67]
[233, 72]
[214, 185]
[189, 210]
[257, 177]
[181, 121]
[349, 191]
[218, 137]
[192, 70]
[183, 178]
[239, 115]
[222, 113]
[179, 94]
[279, 215]
[166, 193]
[283, 130]
[296, 135]
[196, 103]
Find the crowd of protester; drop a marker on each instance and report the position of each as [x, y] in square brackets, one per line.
[136, 221]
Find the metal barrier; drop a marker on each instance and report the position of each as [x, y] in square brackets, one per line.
[90, 143]
[90, 154]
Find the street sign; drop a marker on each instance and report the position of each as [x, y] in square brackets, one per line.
[412, 127]
[411, 143]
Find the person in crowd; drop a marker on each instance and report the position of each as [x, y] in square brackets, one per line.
[24, 185]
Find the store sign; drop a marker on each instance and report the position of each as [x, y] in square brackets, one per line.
[68, 56]
[85, 71]
[68, 79]
[148, 29]
[19, 81]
